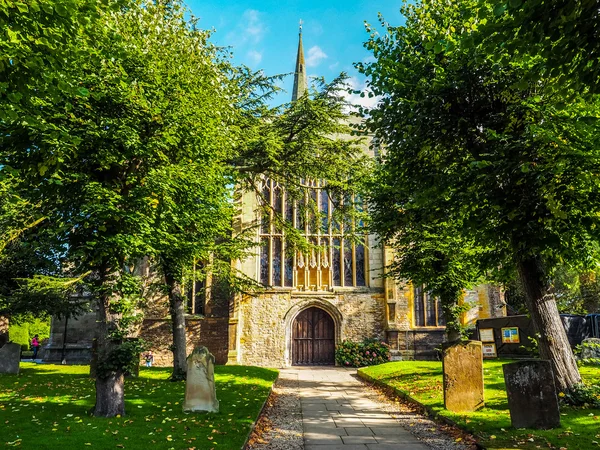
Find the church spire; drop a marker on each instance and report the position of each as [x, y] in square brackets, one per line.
[300, 84]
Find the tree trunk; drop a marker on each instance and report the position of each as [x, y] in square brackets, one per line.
[176, 308]
[110, 395]
[553, 343]
[451, 313]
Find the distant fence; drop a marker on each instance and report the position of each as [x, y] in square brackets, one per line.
[513, 336]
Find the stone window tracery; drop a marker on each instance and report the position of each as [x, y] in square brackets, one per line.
[333, 261]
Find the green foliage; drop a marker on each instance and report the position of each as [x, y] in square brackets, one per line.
[560, 36]
[581, 348]
[19, 334]
[123, 358]
[360, 354]
[582, 395]
[23, 332]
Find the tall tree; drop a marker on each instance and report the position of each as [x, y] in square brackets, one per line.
[140, 105]
[563, 33]
[516, 167]
[428, 250]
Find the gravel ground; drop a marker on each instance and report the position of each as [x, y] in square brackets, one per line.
[280, 425]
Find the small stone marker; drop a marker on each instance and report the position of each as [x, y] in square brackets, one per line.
[10, 358]
[462, 363]
[532, 398]
[200, 389]
[590, 348]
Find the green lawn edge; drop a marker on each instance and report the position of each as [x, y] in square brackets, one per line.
[420, 383]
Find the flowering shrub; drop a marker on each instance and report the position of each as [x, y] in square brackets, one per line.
[369, 352]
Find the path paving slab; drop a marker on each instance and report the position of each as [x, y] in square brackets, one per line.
[338, 415]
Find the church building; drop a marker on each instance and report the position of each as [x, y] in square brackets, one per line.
[311, 302]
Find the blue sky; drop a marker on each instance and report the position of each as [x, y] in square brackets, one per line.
[264, 34]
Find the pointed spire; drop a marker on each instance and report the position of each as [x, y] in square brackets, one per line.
[300, 84]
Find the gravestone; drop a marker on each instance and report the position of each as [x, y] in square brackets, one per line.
[200, 389]
[590, 348]
[10, 357]
[462, 363]
[532, 398]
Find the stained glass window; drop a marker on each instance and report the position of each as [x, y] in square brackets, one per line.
[330, 261]
[427, 309]
[264, 261]
[360, 265]
[348, 281]
[337, 263]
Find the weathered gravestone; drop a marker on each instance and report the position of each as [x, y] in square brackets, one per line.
[462, 363]
[10, 357]
[590, 348]
[532, 398]
[200, 389]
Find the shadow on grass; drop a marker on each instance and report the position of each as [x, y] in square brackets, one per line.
[45, 407]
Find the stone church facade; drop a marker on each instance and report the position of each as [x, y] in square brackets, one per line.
[311, 302]
[314, 301]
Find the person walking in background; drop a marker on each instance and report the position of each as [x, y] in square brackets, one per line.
[149, 358]
[35, 344]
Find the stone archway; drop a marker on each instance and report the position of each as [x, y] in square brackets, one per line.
[313, 328]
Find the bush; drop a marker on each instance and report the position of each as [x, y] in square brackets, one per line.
[23, 332]
[19, 334]
[586, 349]
[585, 395]
[369, 352]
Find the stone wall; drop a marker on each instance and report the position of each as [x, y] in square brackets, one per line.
[263, 323]
[79, 338]
[210, 332]
[420, 343]
[3, 330]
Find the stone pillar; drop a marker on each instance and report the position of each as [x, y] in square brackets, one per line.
[462, 364]
[531, 392]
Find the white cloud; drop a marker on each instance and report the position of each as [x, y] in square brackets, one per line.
[254, 57]
[249, 30]
[355, 99]
[254, 28]
[315, 56]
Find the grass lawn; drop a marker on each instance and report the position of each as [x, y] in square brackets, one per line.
[46, 407]
[422, 381]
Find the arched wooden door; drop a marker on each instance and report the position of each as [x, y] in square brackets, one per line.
[313, 338]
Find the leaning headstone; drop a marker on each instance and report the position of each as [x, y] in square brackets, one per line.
[200, 389]
[590, 348]
[10, 357]
[532, 398]
[462, 363]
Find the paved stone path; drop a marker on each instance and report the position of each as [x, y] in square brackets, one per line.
[338, 415]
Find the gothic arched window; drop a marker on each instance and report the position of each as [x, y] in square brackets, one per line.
[334, 260]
